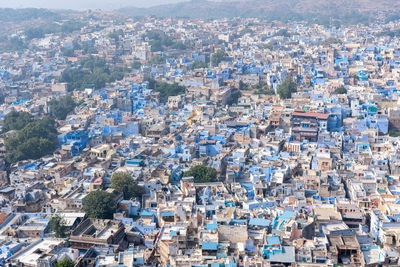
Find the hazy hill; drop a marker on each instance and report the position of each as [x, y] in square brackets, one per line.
[352, 11]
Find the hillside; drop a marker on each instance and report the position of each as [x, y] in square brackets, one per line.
[349, 11]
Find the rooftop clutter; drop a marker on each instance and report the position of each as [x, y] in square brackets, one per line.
[275, 147]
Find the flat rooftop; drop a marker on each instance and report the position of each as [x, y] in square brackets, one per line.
[33, 253]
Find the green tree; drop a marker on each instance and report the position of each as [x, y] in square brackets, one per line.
[331, 40]
[264, 91]
[270, 45]
[179, 46]
[37, 139]
[92, 72]
[198, 65]
[13, 44]
[16, 121]
[99, 204]
[236, 94]
[33, 33]
[202, 174]
[66, 262]
[57, 225]
[124, 183]
[166, 89]
[70, 26]
[66, 52]
[340, 90]
[243, 86]
[394, 133]
[136, 65]
[218, 57]
[89, 49]
[116, 34]
[157, 59]
[159, 41]
[245, 31]
[283, 32]
[62, 106]
[39, 32]
[286, 88]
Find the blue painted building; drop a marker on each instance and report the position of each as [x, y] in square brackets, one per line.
[273, 246]
[77, 140]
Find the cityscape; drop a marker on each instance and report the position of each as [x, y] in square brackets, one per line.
[218, 141]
